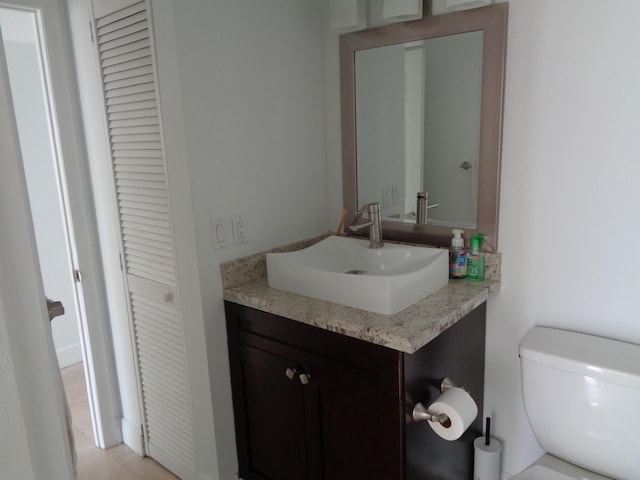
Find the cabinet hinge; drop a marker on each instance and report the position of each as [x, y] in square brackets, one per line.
[120, 258]
[91, 32]
[77, 276]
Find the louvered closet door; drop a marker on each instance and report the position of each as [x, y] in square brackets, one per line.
[126, 61]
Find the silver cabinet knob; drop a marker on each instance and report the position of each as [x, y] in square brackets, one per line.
[304, 378]
[290, 373]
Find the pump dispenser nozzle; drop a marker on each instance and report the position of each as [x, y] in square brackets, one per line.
[457, 240]
[477, 241]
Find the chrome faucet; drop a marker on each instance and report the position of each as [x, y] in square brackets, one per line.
[374, 224]
[422, 207]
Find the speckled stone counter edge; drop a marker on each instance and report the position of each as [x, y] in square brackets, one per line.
[245, 282]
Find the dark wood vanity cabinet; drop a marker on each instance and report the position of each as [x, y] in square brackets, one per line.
[313, 404]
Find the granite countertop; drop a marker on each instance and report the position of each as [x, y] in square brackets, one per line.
[245, 283]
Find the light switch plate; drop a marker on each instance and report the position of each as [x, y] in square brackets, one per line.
[220, 232]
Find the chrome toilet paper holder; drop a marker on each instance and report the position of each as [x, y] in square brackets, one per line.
[421, 413]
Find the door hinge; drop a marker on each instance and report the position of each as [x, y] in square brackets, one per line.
[77, 276]
[91, 32]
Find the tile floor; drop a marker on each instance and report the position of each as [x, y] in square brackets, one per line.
[117, 463]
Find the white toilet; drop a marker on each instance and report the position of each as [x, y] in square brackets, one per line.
[582, 397]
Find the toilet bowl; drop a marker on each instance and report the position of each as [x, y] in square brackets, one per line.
[549, 467]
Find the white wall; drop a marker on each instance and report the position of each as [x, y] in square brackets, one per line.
[251, 87]
[380, 116]
[570, 217]
[38, 160]
[333, 135]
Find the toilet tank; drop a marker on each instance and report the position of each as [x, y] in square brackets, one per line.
[582, 397]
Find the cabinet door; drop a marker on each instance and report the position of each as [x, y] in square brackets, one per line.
[353, 432]
[269, 415]
[342, 420]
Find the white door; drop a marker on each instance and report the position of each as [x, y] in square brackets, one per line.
[34, 440]
[32, 39]
[126, 59]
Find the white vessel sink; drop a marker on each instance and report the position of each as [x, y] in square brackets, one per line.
[346, 271]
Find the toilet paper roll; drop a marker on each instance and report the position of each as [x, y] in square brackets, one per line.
[486, 459]
[458, 405]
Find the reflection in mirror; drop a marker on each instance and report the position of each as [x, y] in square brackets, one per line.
[422, 112]
[418, 127]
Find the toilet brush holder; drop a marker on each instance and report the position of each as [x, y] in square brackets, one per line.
[486, 456]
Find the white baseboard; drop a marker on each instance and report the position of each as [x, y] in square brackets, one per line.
[131, 436]
[117, 439]
[69, 355]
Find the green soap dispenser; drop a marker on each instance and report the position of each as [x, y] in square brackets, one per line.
[475, 260]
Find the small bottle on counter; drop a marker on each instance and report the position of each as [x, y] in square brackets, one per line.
[457, 255]
[475, 261]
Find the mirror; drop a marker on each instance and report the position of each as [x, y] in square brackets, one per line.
[422, 112]
[418, 127]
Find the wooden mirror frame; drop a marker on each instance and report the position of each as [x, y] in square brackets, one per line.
[492, 20]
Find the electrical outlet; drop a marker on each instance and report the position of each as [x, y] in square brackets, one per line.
[239, 226]
[386, 196]
[220, 232]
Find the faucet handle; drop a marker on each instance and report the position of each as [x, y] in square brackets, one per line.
[373, 207]
[374, 224]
